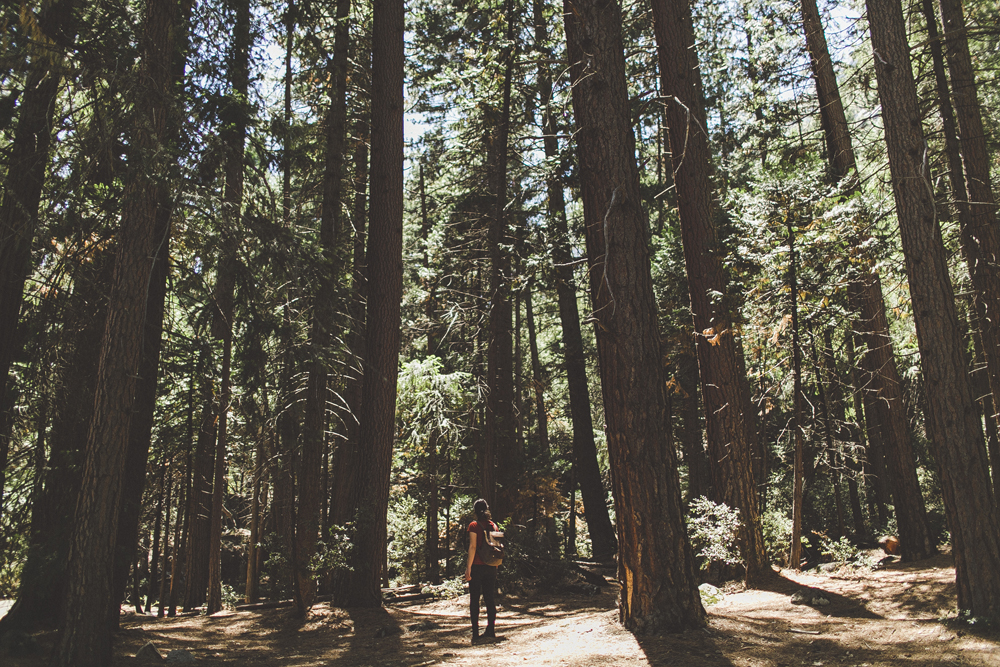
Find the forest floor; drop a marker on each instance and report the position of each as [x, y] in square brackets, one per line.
[900, 615]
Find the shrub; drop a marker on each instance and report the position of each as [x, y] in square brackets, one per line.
[712, 527]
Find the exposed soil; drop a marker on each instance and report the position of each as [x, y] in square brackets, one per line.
[895, 616]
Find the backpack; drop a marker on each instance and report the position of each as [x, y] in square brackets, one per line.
[490, 550]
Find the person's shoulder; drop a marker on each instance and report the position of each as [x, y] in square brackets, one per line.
[473, 526]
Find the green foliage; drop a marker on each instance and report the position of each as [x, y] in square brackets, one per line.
[713, 528]
[841, 551]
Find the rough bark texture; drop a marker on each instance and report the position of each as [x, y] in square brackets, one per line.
[385, 287]
[588, 471]
[728, 414]
[86, 636]
[324, 306]
[655, 562]
[952, 420]
[882, 378]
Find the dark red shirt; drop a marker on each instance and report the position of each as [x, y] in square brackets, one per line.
[474, 527]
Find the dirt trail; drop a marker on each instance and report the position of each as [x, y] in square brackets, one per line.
[895, 616]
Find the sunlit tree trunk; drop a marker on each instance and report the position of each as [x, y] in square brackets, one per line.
[728, 413]
[655, 561]
[955, 435]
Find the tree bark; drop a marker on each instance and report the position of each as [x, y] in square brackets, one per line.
[956, 437]
[86, 630]
[385, 286]
[728, 412]
[310, 487]
[656, 564]
[795, 552]
[603, 542]
[882, 378]
[500, 435]
[235, 117]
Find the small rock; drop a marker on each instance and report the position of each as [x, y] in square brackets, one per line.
[820, 602]
[149, 653]
[180, 657]
[800, 597]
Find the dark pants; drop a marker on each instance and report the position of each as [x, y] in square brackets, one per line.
[484, 582]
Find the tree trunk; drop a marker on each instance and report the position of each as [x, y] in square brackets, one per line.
[27, 161]
[385, 285]
[728, 413]
[86, 630]
[154, 564]
[43, 577]
[981, 236]
[888, 411]
[537, 382]
[955, 435]
[656, 564]
[308, 515]
[499, 441]
[603, 542]
[692, 443]
[165, 549]
[234, 116]
[795, 552]
[200, 505]
[977, 221]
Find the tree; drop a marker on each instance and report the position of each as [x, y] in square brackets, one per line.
[656, 564]
[86, 637]
[54, 32]
[585, 466]
[883, 386]
[385, 286]
[728, 416]
[956, 437]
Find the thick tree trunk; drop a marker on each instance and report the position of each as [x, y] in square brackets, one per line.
[888, 411]
[313, 435]
[655, 561]
[955, 435]
[728, 414]
[976, 217]
[385, 286]
[603, 542]
[86, 630]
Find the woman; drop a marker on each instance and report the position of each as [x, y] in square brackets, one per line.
[482, 578]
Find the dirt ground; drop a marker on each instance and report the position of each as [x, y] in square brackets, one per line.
[901, 615]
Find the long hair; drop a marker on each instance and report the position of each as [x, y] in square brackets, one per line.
[483, 515]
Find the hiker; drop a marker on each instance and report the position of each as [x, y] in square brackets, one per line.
[482, 578]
